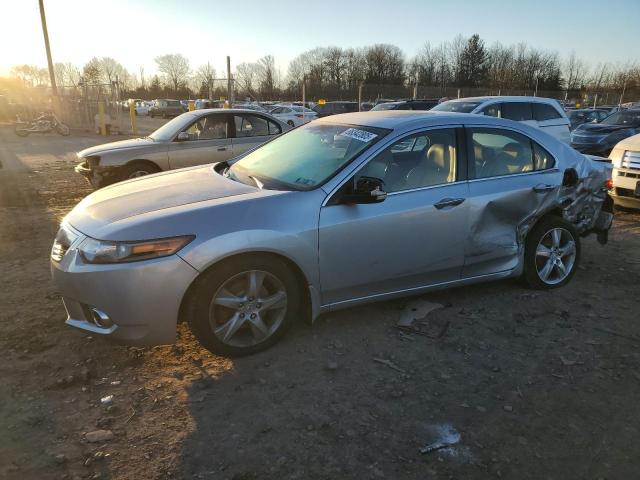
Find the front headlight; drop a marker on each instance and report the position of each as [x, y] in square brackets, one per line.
[102, 251]
[616, 156]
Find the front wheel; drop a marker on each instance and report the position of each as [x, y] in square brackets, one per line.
[62, 129]
[552, 253]
[21, 131]
[243, 305]
[137, 169]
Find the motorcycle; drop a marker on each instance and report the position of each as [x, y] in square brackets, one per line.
[44, 123]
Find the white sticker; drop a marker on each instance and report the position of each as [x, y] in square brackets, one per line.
[361, 135]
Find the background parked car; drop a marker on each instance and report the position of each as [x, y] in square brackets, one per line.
[193, 138]
[294, 115]
[544, 113]
[166, 108]
[142, 107]
[586, 115]
[625, 158]
[406, 105]
[600, 138]
[333, 108]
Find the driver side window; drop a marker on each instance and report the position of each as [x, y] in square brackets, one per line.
[421, 160]
[211, 127]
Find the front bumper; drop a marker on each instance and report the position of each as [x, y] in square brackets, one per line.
[625, 186]
[97, 177]
[141, 299]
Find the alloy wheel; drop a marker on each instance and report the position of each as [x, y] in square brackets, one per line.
[555, 256]
[138, 173]
[248, 308]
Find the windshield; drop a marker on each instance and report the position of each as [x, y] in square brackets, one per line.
[630, 118]
[456, 106]
[385, 106]
[305, 157]
[172, 127]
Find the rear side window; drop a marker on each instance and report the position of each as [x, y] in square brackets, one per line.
[543, 111]
[518, 111]
[492, 110]
[497, 152]
[251, 126]
[274, 128]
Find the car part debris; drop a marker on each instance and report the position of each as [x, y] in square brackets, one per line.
[416, 310]
[389, 364]
[449, 437]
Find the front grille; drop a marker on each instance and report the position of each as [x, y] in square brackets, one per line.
[628, 174]
[631, 160]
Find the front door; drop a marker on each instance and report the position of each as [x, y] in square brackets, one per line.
[252, 130]
[414, 238]
[207, 142]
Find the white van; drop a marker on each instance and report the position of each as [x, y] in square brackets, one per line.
[544, 113]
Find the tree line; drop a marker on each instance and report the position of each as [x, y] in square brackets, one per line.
[336, 73]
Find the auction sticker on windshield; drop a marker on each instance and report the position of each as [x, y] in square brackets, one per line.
[361, 135]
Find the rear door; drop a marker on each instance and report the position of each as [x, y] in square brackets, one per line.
[208, 142]
[518, 112]
[251, 130]
[510, 176]
[549, 119]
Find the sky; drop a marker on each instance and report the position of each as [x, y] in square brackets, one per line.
[134, 32]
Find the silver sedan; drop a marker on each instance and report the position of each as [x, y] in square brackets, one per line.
[345, 210]
[193, 138]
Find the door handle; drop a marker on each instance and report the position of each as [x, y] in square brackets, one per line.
[448, 202]
[542, 188]
[222, 149]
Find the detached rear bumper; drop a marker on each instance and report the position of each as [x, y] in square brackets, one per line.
[140, 300]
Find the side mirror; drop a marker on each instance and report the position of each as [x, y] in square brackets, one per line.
[365, 190]
[182, 136]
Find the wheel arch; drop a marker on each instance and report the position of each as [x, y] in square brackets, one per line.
[306, 300]
[143, 161]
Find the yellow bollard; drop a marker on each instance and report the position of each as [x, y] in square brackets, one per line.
[192, 105]
[132, 114]
[103, 123]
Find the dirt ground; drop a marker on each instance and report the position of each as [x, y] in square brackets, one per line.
[526, 385]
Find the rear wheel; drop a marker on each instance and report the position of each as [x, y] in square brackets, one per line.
[552, 253]
[62, 129]
[243, 305]
[21, 130]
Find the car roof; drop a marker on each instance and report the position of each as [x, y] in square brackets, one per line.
[505, 98]
[407, 119]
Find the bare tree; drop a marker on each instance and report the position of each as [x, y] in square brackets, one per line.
[267, 76]
[204, 78]
[575, 72]
[245, 76]
[175, 68]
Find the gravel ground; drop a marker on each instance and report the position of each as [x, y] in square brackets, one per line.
[522, 384]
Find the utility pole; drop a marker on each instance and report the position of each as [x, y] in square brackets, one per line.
[229, 81]
[52, 76]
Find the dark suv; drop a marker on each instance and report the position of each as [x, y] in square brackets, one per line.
[166, 108]
[333, 108]
[406, 105]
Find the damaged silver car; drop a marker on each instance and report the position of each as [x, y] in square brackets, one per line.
[342, 211]
[193, 138]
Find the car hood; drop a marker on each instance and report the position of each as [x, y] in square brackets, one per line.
[121, 145]
[599, 129]
[152, 193]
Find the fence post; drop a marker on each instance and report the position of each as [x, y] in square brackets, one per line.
[132, 115]
[101, 117]
[360, 97]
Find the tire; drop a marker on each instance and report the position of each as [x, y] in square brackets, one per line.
[290, 123]
[62, 129]
[21, 132]
[548, 243]
[229, 283]
[136, 170]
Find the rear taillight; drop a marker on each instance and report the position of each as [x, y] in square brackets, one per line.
[609, 184]
[299, 115]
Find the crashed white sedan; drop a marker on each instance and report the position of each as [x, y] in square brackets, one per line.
[341, 211]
